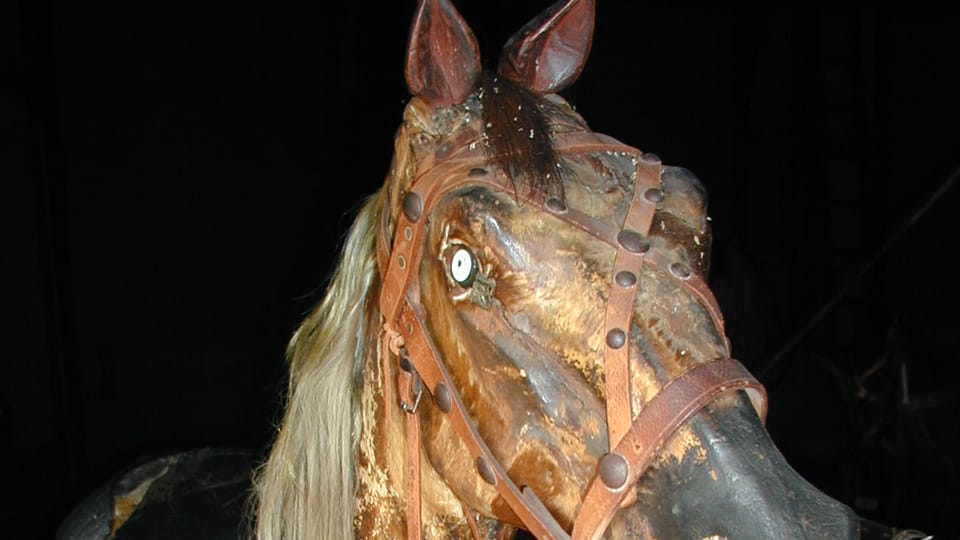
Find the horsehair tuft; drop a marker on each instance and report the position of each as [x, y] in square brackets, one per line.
[518, 128]
[306, 487]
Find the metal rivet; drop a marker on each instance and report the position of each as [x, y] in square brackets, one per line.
[625, 278]
[409, 328]
[650, 157]
[653, 195]
[477, 171]
[680, 270]
[555, 205]
[407, 233]
[444, 150]
[442, 397]
[616, 338]
[614, 471]
[401, 262]
[412, 206]
[486, 471]
[632, 241]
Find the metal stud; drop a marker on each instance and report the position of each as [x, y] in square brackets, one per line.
[616, 338]
[650, 157]
[653, 195]
[555, 205]
[412, 206]
[614, 471]
[632, 241]
[680, 270]
[444, 150]
[625, 278]
[442, 397]
[486, 471]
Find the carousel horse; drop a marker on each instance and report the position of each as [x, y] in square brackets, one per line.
[519, 338]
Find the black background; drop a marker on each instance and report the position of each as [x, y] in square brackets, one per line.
[177, 177]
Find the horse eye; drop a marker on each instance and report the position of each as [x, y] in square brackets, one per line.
[463, 267]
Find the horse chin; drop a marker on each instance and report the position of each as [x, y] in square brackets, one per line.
[716, 490]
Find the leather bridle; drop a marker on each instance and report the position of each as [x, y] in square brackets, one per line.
[634, 442]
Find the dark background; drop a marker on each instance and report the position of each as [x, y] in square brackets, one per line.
[176, 178]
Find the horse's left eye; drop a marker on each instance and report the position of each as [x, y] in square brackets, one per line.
[463, 267]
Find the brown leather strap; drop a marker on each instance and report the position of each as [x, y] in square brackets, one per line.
[411, 392]
[676, 403]
[414, 518]
[632, 244]
[471, 521]
[437, 380]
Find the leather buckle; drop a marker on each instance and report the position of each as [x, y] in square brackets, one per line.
[410, 384]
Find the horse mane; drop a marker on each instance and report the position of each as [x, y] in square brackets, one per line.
[306, 487]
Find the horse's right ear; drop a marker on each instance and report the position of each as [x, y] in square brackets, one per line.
[443, 58]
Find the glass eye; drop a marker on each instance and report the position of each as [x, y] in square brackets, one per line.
[463, 267]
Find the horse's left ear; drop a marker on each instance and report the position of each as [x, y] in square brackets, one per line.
[549, 52]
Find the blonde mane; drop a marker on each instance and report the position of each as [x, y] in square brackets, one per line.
[306, 487]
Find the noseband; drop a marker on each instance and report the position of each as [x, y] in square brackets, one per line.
[634, 442]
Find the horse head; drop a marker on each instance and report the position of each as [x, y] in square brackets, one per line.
[520, 334]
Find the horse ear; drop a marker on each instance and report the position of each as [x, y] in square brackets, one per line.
[549, 52]
[443, 58]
